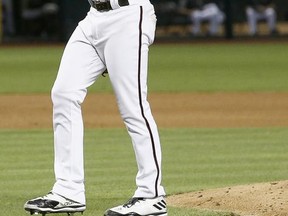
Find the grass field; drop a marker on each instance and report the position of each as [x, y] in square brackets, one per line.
[193, 159]
[195, 67]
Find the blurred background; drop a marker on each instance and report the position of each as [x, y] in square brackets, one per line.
[54, 20]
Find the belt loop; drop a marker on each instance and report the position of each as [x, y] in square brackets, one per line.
[114, 4]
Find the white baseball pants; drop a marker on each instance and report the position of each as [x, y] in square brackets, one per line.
[117, 40]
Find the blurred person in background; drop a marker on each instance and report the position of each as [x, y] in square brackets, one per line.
[257, 10]
[200, 11]
[8, 21]
[39, 17]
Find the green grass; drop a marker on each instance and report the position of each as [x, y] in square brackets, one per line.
[181, 68]
[219, 67]
[28, 69]
[193, 159]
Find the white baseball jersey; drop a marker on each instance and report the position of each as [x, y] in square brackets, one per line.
[115, 38]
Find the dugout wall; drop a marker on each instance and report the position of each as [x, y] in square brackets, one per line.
[72, 11]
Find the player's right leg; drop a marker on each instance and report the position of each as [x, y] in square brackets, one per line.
[80, 66]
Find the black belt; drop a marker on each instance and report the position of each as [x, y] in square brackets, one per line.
[106, 6]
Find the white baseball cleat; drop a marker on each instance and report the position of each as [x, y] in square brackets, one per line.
[140, 207]
[53, 203]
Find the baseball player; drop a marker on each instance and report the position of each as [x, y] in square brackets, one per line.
[261, 10]
[200, 11]
[115, 35]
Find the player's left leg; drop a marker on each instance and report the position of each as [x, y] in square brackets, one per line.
[126, 58]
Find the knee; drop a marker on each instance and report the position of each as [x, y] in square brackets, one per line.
[58, 96]
[61, 96]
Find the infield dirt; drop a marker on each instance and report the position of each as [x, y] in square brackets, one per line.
[204, 110]
[186, 110]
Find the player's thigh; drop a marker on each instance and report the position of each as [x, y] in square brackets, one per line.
[127, 49]
[80, 64]
[126, 57]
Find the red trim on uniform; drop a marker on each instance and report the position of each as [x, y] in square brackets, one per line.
[141, 105]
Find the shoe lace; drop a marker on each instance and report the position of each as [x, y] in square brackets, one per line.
[58, 198]
[132, 202]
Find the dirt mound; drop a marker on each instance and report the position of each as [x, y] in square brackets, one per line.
[264, 199]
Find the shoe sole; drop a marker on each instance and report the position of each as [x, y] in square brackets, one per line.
[159, 214]
[135, 214]
[68, 210]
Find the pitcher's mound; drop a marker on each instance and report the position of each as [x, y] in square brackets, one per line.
[264, 199]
